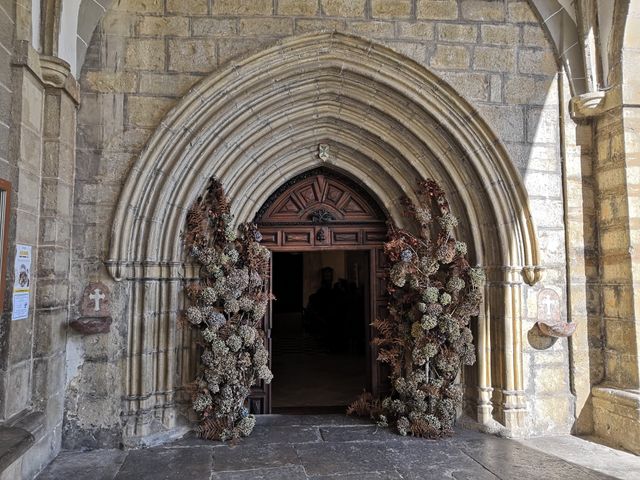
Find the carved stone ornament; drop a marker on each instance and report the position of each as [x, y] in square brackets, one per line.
[323, 152]
[322, 216]
[550, 320]
[95, 310]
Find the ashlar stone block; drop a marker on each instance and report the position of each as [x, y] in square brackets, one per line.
[391, 8]
[343, 8]
[188, 7]
[450, 57]
[163, 26]
[437, 9]
[266, 26]
[500, 34]
[537, 62]
[494, 59]
[303, 8]
[242, 7]
[450, 32]
[147, 111]
[192, 55]
[483, 10]
[145, 54]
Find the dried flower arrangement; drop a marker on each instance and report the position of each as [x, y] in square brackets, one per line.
[227, 306]
[426, 338]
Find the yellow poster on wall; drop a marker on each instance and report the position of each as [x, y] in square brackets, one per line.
[22, 283]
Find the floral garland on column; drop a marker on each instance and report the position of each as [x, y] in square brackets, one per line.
[227, 306]
[426, 337]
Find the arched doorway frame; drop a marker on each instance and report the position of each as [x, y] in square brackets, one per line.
[387, 121]
[323, 210]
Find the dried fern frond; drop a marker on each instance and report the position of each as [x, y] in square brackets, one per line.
[213, 428]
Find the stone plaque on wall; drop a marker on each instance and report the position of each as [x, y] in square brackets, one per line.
[95, 310]
[549, 306]
[95, 301]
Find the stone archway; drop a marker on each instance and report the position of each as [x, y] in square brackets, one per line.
[387, 121]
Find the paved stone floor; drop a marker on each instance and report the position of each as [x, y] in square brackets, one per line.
[336, 447]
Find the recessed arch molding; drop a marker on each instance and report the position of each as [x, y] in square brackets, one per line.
[387, 121]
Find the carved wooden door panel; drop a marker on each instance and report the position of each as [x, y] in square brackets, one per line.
[323, 210]
[260, 398]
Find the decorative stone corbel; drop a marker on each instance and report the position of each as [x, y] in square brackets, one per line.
[591, 104]
[56, 73]
[532, 274]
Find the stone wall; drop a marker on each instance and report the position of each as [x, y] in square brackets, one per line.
[145, 55]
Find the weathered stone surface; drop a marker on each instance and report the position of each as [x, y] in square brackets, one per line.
[91, 325]
[213, 27]
[494, 59]
[450, 57]
[437, 9]
[391, 8]
[147, 111]
[420, 30]
[188, 7]
[541, 61]
[450, 32]
[521, 12]
[266, 26]
[237, 7]
[99, 465]
[298, 7]
[145, 54]
[500, 34]
[343, 8]
[195, 462]
[197, 55]
[485, 10]
[163, 26]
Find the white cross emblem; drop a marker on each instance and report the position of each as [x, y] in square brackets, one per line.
[548, 303]
[96, 296]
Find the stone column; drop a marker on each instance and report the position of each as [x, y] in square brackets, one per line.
[615, 120]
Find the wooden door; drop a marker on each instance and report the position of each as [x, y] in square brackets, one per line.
[323, 210]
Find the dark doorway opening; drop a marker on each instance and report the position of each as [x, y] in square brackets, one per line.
[319, 333]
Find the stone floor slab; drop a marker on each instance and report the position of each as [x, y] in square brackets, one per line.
[290, 472]
[335, 447]
[351, 458]
[94, 465]
[243, 457]
[167, 464]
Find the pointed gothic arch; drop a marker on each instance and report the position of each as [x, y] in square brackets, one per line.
[256, 124]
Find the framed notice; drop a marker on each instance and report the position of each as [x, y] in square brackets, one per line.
[22, 283]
